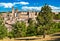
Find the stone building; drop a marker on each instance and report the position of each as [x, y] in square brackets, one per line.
[11, 17]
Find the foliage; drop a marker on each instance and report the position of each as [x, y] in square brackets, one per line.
[40, 30]
[3, 29]
[19, 29]
[31, 29]
[11, 34]
[54, 27]
[45, 18]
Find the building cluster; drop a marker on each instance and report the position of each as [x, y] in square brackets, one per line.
[11, 17]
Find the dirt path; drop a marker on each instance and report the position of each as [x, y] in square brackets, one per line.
[55, 37]
[52, 37]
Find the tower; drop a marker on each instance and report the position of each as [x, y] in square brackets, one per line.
[16, 12]
[13, 11]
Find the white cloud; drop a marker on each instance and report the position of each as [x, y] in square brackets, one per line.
[31, 8]
[9, 5]
[22, 3]
[55, 9]
[6, 5]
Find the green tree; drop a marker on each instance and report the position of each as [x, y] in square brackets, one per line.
[45, 18]
[31, 29]
[19, 29]
[3, 29]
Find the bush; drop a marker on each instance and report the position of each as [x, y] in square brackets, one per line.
[11, 34]
[55, 27]
[31, 29]
[3, 29]
[19, 30]
[40, 30]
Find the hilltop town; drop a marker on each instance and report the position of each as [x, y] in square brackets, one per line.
[16, 15]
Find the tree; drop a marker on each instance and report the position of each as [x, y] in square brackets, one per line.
[45, 18]
[31, 29]
[3, 29]
[19, 29]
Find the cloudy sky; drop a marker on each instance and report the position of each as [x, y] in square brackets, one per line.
[25, 5]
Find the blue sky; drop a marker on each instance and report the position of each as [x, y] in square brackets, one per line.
[25, 5]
